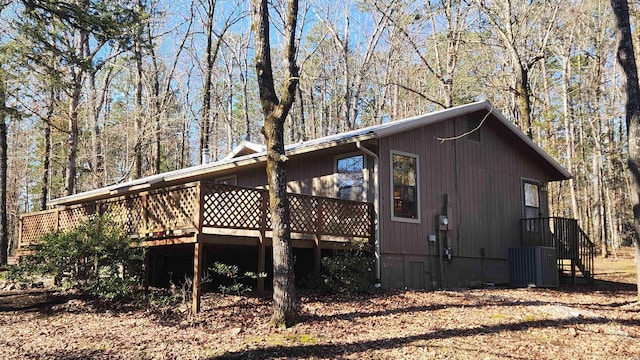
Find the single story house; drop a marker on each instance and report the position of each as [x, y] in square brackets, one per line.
[441, 197]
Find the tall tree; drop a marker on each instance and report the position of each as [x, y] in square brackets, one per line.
[627, 61]
[275, 110]
[67, 29]
[514, 25]
[214, 40]
[140, 115]
[4, 239]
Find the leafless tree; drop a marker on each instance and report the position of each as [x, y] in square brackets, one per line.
[275, 110]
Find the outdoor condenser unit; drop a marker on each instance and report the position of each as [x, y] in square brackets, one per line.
[534, 266]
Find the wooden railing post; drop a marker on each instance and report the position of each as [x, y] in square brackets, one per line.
[145, 214]
[57, 226]
[200, 204]
[317, 251]
[20, 222]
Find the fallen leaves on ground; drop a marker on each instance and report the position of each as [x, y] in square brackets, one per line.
[572, 322]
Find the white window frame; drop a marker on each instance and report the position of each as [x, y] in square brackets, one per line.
[365, 185]
[417, 220]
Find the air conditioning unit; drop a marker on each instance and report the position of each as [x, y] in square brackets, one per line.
[535, 266]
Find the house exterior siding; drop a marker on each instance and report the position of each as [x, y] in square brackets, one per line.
[481, 183]
[311, 174]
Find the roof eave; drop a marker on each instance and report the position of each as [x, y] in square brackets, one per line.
[441, 115]
[431, 118]
[199, 171]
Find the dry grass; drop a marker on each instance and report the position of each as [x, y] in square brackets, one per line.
[581, 322]
[619, 267]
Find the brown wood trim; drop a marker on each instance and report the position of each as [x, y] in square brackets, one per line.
[168, 241]
[199, 214]
[198, 250]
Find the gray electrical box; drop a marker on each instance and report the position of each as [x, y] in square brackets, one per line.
[535, 266]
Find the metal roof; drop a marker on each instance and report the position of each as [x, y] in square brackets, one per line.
[259, 151]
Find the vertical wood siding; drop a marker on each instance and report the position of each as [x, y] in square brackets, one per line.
[310, 174]
[483, 181]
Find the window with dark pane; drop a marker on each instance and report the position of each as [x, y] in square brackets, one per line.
[531, 200]
[405, 189]
[350, 177]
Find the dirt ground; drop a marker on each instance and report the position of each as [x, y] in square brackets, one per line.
[572, 322]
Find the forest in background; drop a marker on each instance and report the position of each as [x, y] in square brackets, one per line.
[92, 105]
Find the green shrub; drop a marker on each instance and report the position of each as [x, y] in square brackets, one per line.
[96, 257]
[347, 271]
[231, 272]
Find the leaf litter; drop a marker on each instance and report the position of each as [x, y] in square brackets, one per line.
[580, 322]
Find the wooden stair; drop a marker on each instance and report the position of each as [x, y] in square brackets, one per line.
[586, 273]
[570, 269]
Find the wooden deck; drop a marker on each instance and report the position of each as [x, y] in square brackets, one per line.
[202, 213]
[176, 214]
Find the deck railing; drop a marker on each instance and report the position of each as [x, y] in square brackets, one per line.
[195, 206]
[565, 235]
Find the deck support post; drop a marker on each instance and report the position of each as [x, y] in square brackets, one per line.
[261, 263]
[317, 254]
[317, 251]
[147, 268]
[197, 275]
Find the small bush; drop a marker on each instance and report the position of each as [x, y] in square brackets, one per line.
[347, 271]
[231, 272]
[96, 257]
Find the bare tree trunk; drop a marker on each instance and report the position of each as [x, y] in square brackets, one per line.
[211, 54]
[46, 157]
[523, 96]
[206, 100]
[285, 305]
[4, 238]
[627, 61]
[325, 120]
[139, 112]
[157, 110]
[244, 70]
[302, 126]
[229, 116]
[569, 131]
[95, 130]
[70, 175]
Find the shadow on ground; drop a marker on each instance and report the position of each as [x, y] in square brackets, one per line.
[330, 351]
